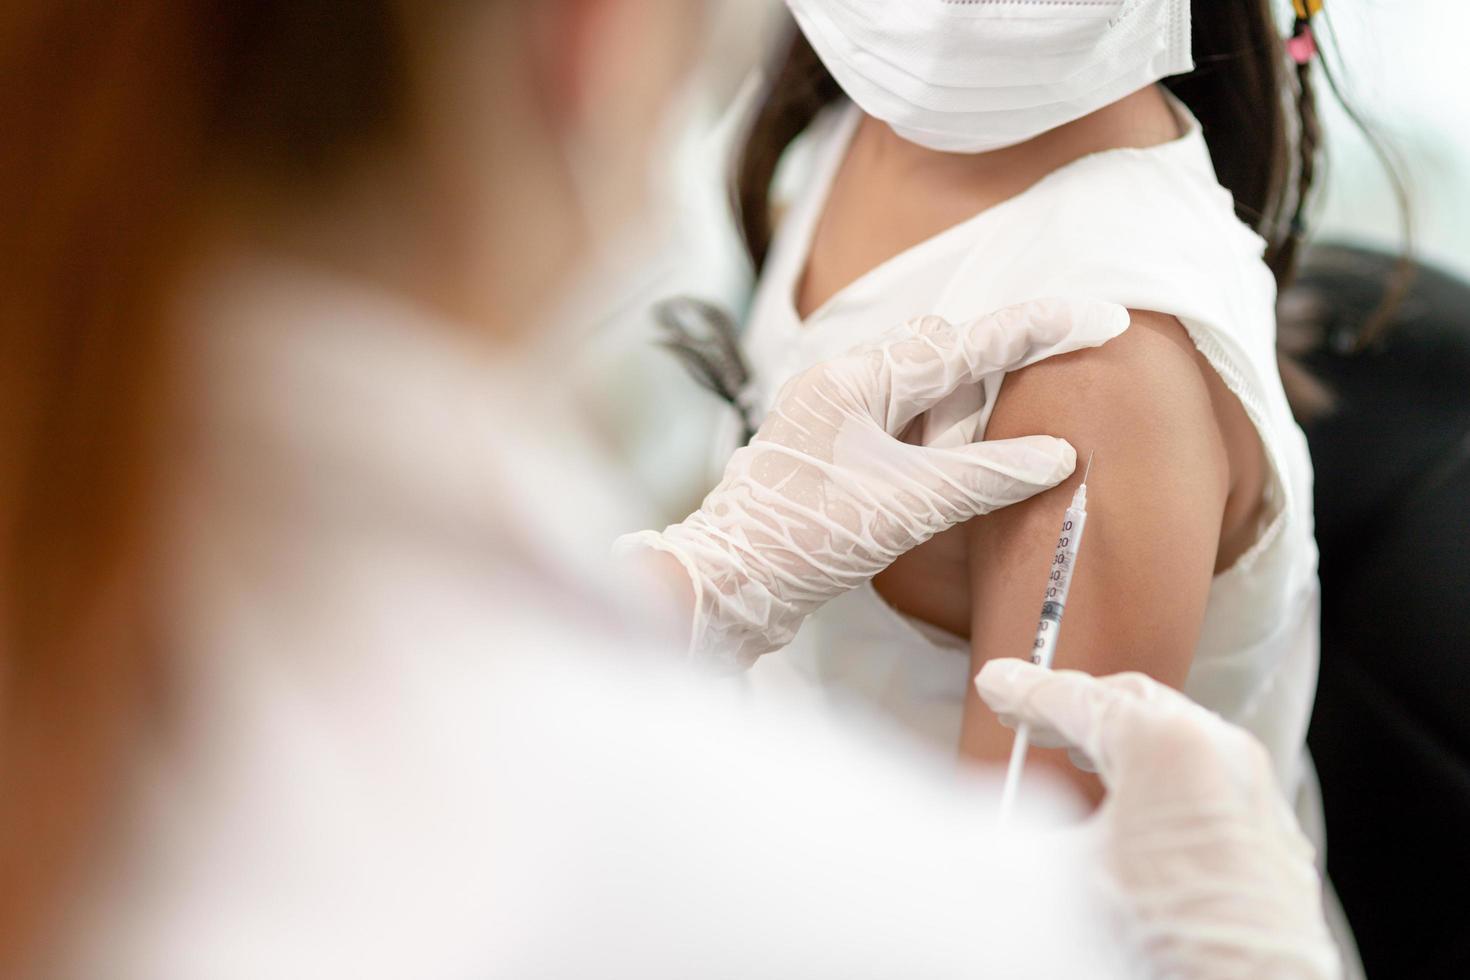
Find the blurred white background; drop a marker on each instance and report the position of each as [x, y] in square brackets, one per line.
[1401, 63]
[1404, 65]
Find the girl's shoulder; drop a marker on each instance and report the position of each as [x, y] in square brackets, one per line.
[1156, 201]
[1151, 229]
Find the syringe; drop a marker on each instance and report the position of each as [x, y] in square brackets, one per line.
[1059, 582]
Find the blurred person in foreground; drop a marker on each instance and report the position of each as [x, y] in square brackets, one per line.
[306, 672]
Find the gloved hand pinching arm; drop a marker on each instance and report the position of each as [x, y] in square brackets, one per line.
[826, 495]
[1197, 843]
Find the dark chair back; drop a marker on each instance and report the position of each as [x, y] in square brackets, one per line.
[1391, 730]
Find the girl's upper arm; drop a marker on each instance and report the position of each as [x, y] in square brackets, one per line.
[1156, 500]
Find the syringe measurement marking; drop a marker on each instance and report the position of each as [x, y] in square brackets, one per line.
[1044, 647]
[1054, 602]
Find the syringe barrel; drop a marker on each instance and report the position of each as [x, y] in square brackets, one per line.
[1058, 584]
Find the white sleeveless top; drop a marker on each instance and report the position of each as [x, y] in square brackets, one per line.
[1150, 229]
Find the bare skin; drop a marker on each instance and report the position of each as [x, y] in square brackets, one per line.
[1179, 484]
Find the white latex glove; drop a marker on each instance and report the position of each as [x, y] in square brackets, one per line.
[826, 496]
[1198, 845]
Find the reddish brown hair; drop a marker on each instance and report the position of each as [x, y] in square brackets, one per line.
[115, 117]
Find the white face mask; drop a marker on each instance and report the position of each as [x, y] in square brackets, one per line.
[967, 76]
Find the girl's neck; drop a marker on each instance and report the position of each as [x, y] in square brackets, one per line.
[890, 195]
[1142, 119]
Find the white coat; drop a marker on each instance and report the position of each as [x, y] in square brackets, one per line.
[415, 739]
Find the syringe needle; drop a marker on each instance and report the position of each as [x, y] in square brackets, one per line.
[1088, 471]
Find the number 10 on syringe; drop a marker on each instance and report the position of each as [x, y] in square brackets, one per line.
[1044, 649]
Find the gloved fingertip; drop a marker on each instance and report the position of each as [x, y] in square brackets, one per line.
[1031, 465]
[1112, 318]
[999, 680]
[1092, 323]
[1059, 453]
[1043, 461]
[1064, 456]
[1082, 760]
[1097, 320]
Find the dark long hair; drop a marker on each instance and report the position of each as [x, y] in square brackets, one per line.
[1258, 112]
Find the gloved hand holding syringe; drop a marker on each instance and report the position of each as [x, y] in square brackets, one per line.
[1059, 582]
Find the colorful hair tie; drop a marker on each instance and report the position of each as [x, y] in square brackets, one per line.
[1302, 45]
